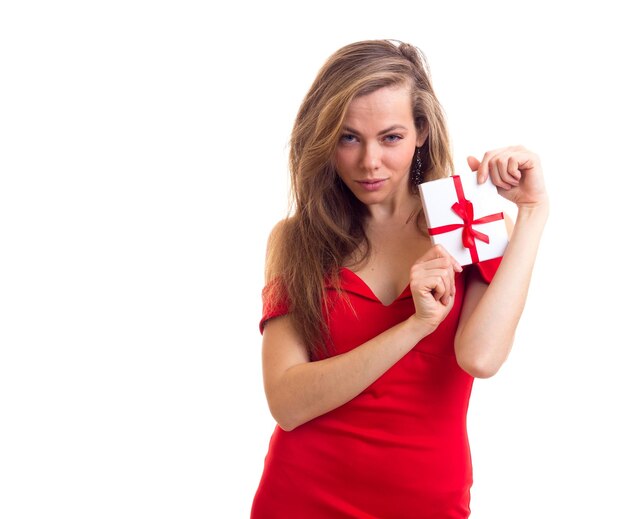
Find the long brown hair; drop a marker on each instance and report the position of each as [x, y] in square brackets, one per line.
[326, 226]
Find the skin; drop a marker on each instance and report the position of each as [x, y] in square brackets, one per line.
[377, 146]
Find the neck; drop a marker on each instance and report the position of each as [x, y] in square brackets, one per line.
[397, 213]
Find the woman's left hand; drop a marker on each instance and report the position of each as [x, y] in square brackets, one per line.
[516, 172]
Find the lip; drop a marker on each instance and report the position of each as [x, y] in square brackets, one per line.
[372, 184]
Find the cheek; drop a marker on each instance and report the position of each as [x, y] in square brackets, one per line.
[343, 162]
[403, 160]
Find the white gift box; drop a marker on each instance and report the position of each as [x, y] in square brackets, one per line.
[448, 206]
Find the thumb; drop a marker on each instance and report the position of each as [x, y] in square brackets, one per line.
[473, 163]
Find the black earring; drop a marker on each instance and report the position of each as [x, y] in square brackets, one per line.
[416, 170]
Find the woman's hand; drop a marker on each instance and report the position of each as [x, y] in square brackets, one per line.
[432, 285]
[516, 172]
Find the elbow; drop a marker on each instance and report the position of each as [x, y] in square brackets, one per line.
[285, 419]
[285, 425]
[284, 405]
[481, 362]
[478, 369]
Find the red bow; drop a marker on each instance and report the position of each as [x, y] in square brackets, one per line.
[465, 209]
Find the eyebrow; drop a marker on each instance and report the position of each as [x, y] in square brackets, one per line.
[382, 132]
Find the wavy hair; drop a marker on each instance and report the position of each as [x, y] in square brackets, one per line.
[326, 222]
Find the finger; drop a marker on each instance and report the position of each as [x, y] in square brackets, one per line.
[447, 262]
[485, 168]
[526, 159]
[442, 266]
[445, 301]
[440, 282]
[513, 170]
[438, 251]
[445, 290]
[473, 163]
[498, 172]
[503, 163]
[492, 166]
[437, 287]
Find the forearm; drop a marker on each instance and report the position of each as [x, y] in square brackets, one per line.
[485, 340]
[308, 390]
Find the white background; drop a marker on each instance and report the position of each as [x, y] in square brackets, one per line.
[143, 163]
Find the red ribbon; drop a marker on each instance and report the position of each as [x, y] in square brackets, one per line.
[465, 209]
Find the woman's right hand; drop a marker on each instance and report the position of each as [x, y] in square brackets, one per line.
[432, 285]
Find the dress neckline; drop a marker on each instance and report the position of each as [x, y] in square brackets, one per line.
[367, 291]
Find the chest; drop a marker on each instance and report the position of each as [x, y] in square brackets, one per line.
[364, 317]
[386, 270]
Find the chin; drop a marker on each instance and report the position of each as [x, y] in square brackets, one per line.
[371, 199]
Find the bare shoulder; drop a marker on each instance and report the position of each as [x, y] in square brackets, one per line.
[278, 231]
[275, 248]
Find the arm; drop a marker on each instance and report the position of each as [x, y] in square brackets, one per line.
[298, 390]
[491, 312]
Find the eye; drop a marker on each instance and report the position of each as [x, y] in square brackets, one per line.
[348, 138]
[394, 137]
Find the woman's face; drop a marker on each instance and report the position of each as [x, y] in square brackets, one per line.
[376, 148]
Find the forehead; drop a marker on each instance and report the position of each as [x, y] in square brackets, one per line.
[386, 105]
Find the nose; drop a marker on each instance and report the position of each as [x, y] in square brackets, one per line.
[371, 159]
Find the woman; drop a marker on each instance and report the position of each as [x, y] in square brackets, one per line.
[372, 336]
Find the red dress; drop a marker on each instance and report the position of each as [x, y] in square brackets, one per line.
[397, 450]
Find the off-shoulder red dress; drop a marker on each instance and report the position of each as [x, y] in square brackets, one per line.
[397, 450]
